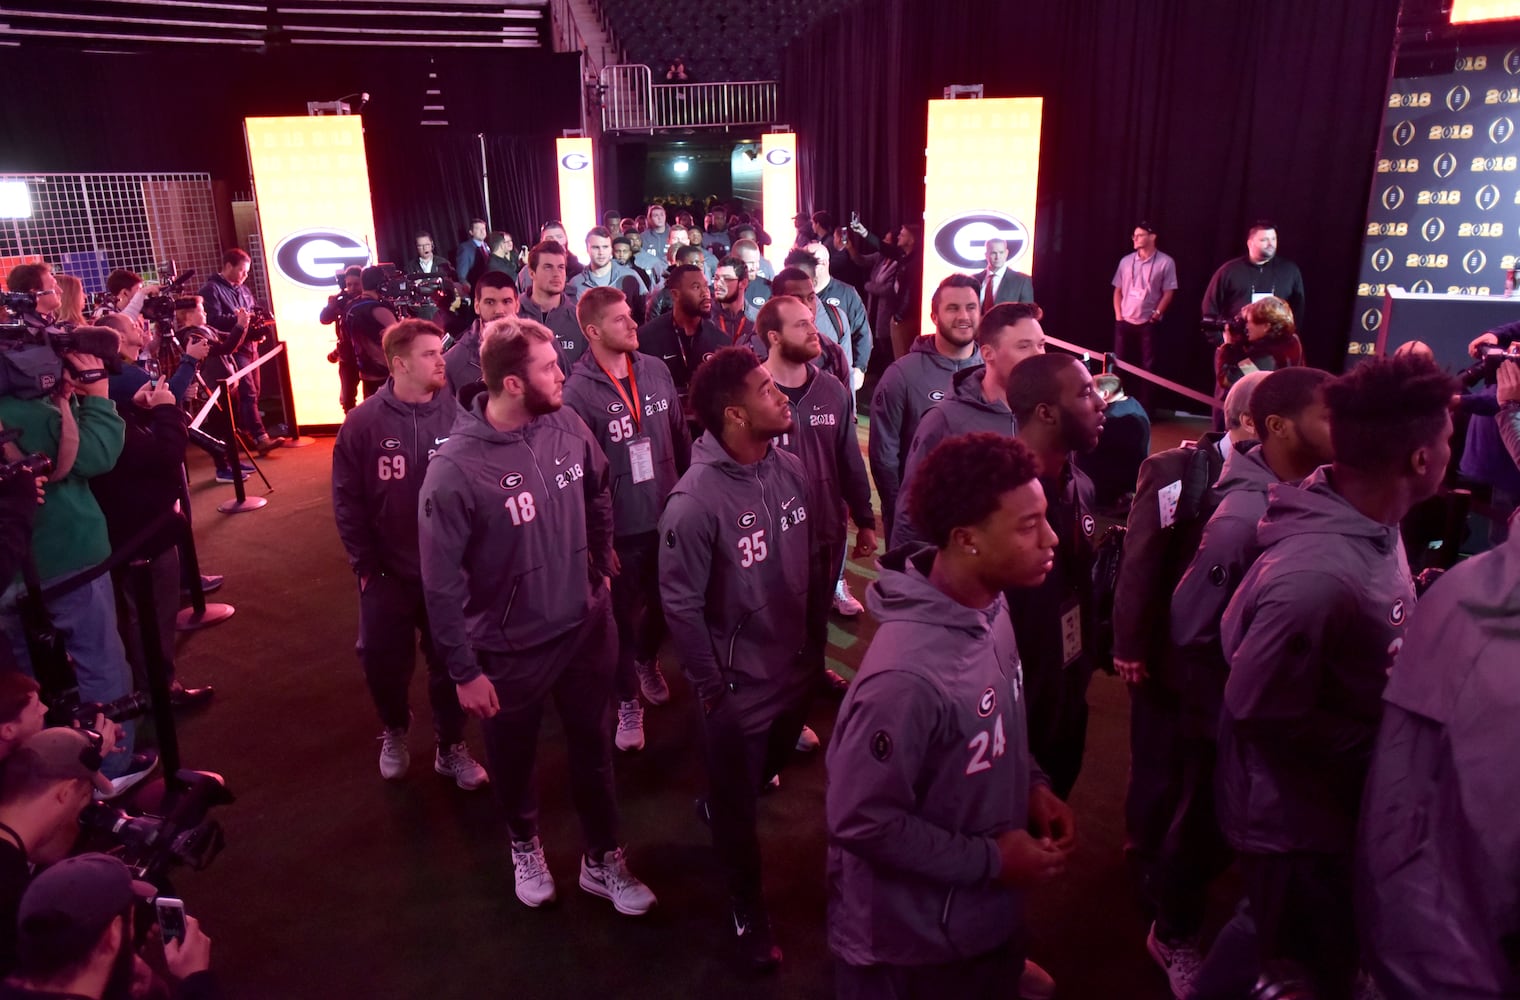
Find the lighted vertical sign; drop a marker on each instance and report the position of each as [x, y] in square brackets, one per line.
[577, 190]
[778, 192]
[311, 186]
[981, 176]
[1470, 11]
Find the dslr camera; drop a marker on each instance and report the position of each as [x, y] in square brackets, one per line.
[1490, 357]
[1217, 329]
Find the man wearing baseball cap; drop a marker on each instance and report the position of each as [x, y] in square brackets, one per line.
[74, 936]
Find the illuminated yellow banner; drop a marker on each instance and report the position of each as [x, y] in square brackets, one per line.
[577, 191]
[981, 176]
[311, 186]
[1468, 11]
[778, 192]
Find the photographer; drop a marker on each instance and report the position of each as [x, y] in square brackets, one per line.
[335, 313]
[1508, 418]
[133, 376]
[368, 319]
[76, 938]
[229, 308]
[191, 330]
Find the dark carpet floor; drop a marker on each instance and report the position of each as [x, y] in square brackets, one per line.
[337, 884]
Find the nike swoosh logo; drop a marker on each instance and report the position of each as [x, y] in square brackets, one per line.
[789, 503]
[439, 440]
[669, 357]
[817, 407]
[561, 459]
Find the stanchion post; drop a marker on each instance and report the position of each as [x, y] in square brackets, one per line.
[199, 614]
[140, 579]
[242, 501]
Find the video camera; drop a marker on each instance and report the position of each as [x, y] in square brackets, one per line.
[1217, 329]
[1490, 357]
[407, 293]
[159, 308]
[31, 352]
[31, 466]
[178, 832]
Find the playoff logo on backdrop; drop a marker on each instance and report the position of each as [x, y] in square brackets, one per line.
[311, 256]
[961, 241]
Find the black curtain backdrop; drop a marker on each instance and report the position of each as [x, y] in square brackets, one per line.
[1197, 115]
[181, 110]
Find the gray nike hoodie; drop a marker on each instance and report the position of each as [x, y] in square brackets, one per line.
[516, 532]
[824, 438]
[965, 411]
[928, 765]
[736, 541]
[1310, 637]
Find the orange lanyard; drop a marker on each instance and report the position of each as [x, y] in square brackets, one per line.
[723, 322]
[633, 383]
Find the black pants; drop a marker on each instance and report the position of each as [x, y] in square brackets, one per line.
[1302, 907]
[1169, 811]
[371, 386]
[1056, 707]
[391, 616]
[825, 574]
[636, 608]
[737, 762]
[163, 569]
[991, 976]
[348, 379]
[579, 666]
[1135, 343]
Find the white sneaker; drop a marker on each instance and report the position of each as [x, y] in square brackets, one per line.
[651, 682]
[535, 886]
[630, 726]
[611, 879]
[1035, 983]
[807, 740]
[395, 758]
[1180, 961]
[455, 762]
[844, 601]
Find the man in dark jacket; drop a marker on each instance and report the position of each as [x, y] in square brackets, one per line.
[918, 380]
[379, 461]
[686, 336]
[229, 308]
[938, 816]
[472, 257]
[368, 319]
[495, 298]
[735, 568]
[629, 402]
[1059, 412]
[1243, 280]
[1005, 336]
[516, 537]
[1310, 637]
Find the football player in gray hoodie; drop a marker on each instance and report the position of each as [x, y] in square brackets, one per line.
[918, 380]
[495, 298]
[629, 401]
[1006, 335]
[516, 537]
[379, 460]
[735, 567]
[938, 817]
[1438, 891]
[1310, 637]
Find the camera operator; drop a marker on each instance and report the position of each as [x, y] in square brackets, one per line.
[76, 937]
[335, 313]
[124, 296]
[368, 319]
[134, 340]
[191, 330]
[1508, 417]
[229, 308]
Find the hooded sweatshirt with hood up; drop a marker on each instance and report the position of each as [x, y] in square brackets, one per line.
[735, 549]
[907, 389]
[966, 411]
[1438, 880]
[1310, 637]
[515, 530]
[928, 765]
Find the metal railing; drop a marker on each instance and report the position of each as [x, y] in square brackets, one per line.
[633, 102]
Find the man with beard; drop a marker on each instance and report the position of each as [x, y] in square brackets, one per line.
[649, 260]
[734, 578]
[918, 380]
[76, 936]
[1260, 273]
[548, 305]
[495, 298]
[379, 462]
[1007, 335]
[730, 308]
[630, 403]
[686, 336]
[825, 440]
[1059, 412]
[622, 252]
[516, 539]
[604, 272]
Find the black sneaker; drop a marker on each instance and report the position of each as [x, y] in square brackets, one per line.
[752, 937]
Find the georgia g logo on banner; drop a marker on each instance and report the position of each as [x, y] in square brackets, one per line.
[313, 256]
[778, 157]
[961, 242]
[575, 161]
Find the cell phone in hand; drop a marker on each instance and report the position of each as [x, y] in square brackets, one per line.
[171, 918]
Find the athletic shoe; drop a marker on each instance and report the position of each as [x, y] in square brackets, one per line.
[138, 768]
[1180, 961]
[535, 886]
[752, 936]
[395, 758]
[1035, 983]
[844, 601]
[807, 740]
[266, 444]
[630, 726]
[611, 879]
[455, 762]
[651, 682]
[832, 684]
[227, 475]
